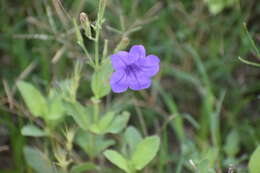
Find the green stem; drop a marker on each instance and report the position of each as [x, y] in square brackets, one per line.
[87, 54]
[101, 10]
[249, 62]
[96, 110]
[251, 40]
[93, 143]
[97, 46]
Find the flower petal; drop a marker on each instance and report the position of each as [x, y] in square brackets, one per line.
[118, 81]
[119, 60]
[138, 82]
[149, 65]
[136, 52]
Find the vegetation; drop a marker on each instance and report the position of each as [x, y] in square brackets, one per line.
[59, 115]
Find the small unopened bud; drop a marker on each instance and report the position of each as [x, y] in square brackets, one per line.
[122, 44]
[61, 157]
[69, 134]
[83, 17]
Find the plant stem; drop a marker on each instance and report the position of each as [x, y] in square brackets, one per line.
[101, 10]
[87, 54]
[96, 110]
[97, 46]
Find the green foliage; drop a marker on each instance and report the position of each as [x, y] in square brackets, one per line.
[17, 143]
[203, 166]
[203, 103]
[80, 114]
[51, 109]
[37, 160]
[132, 137]
[216, 6]
[232, 144]
[56, 106]
[32, 130]
[110, 123]
[34, 100]
[100, 79]
[142, 152]
[83, 167]
[93, 145]
[145, 151]
[254, 161]
[205, 161]
[106, 121]
[117, 159]
[119, 123]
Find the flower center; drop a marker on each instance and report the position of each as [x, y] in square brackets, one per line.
[132, 68]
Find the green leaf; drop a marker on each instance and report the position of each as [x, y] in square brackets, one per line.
[37, 160]
[132, 137]
[92, 144]
[33, 99]
[56, 107]
[79, 113]
[254, 162]
[83, 167]
[216, 6]
[211, 155]
[100, 79]
[84, 140]
[119, 123]
[95, 129]
[204, 166]
[232, 144]
[117, 159]
[32, 130]
[103, 144]
[145, 151]
[103, 124]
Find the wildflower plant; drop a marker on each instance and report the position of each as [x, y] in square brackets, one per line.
[65, 122]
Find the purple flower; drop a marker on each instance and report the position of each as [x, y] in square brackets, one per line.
[133, 69]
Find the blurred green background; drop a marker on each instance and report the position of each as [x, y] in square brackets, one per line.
[201, 78]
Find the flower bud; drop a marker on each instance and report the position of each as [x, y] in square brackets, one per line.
[122, 44]
[83, 17]
[69, 134]
[61, 157]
